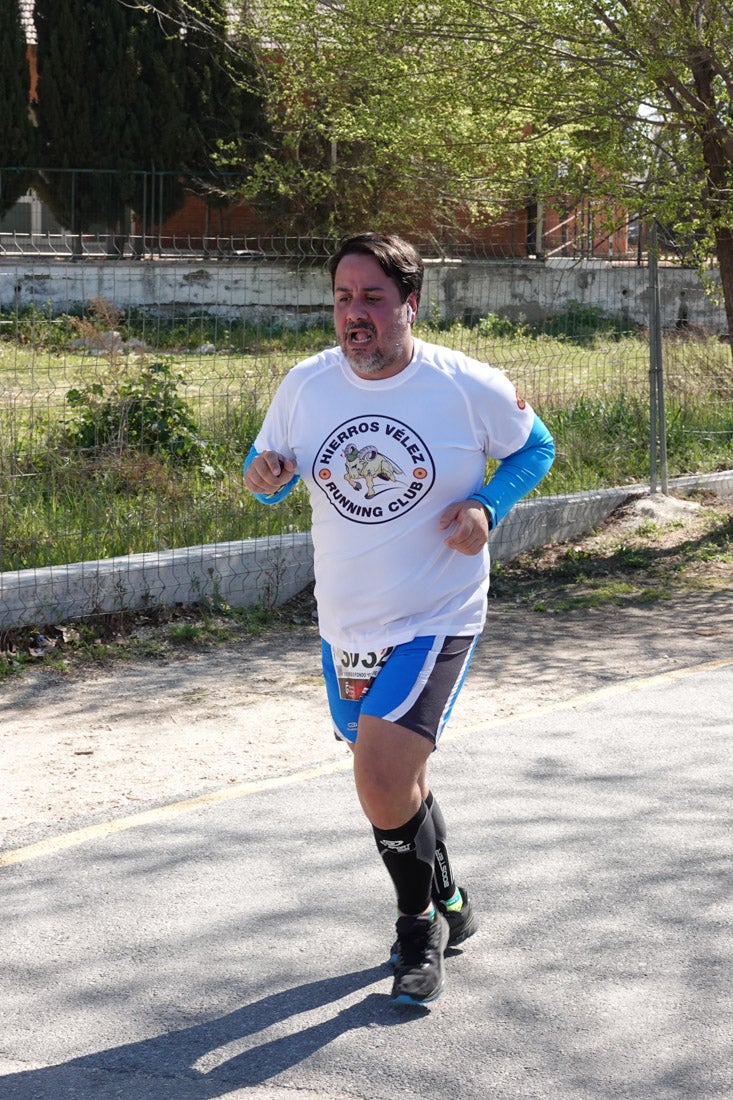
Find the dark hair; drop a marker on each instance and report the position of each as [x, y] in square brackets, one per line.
[397, 259]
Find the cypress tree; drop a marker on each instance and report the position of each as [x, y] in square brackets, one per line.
[223, 93]
[133, 90]
[232, 119]
[109, 100]
[17, 136]
[86, 81]
[163, 130]
[204, 101]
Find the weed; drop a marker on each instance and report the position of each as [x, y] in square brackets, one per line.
[185, 632]
[575, 563]
[632, 557]
[145, 413]
[647, 529]
[582, 324]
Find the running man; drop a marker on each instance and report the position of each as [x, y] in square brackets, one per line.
[391, 436]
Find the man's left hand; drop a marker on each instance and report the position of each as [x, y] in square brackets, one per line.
[471, 526]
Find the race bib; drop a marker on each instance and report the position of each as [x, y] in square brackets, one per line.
[356, 671]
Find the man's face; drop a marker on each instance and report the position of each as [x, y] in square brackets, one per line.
[371, 320]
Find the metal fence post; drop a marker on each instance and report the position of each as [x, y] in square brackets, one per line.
[657, 418]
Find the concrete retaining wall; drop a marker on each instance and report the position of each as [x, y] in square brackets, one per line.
[242, 574]
[279, 293]
[272, 570]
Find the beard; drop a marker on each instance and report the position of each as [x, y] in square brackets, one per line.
[374, 364]
[379, 359]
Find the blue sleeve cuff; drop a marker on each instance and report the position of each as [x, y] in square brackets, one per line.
[271, 498]
[517, 474]
[489, 508]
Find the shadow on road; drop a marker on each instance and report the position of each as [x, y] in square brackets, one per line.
[222, 1054]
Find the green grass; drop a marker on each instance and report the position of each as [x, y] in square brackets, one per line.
[78, 484]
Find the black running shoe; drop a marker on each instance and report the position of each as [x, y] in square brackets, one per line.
[418, 976]
[461, 925]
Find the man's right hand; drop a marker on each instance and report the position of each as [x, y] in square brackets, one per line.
[268, 472]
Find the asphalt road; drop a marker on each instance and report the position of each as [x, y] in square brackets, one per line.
[235, 946]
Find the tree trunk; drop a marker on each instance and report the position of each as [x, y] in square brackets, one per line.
[724, 251]
[719, 174]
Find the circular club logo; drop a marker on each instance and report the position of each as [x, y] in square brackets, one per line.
[373, 469]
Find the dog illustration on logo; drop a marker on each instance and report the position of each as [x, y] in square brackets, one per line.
[369, 463]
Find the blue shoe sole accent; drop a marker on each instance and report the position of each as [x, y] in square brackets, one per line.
[406, 999]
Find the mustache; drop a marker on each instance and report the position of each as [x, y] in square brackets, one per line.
[359, 326]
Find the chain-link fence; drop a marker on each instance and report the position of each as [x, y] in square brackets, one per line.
[130, 392]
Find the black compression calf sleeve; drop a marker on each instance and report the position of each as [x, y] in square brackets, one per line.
[409, 853]
[444, 886]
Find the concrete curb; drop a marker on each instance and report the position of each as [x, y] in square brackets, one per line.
[271, 570]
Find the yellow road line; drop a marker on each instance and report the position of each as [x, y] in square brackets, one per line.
[242, 790]
[164, 813]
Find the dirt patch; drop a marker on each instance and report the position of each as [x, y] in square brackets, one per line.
[647, 593]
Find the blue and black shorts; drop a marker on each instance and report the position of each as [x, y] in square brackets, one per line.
[414, 685]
